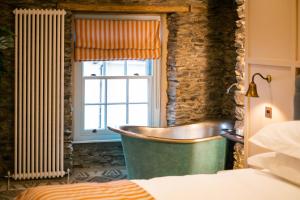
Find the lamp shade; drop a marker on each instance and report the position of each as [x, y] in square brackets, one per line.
[252, 91]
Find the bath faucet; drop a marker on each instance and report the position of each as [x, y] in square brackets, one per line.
[231, 86]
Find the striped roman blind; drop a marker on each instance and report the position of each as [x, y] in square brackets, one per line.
[110, 39]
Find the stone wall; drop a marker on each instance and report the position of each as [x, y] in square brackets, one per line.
[240, 65]
[201, 65]
[239, 95]
[201, 62]
[6, 95]
[95, 154]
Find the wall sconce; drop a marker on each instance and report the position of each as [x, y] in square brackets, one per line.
[252, 90]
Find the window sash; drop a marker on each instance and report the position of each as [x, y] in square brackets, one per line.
[116, 77]
[127, 103]
[148, 70]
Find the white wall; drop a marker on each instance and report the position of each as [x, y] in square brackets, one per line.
[271, 48]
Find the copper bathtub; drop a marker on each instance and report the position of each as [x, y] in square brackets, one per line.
[180, 150]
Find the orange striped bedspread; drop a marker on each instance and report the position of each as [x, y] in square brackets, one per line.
[115, 190]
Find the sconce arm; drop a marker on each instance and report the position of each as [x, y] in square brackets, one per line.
[268, 78]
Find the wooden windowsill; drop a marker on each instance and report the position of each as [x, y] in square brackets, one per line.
[124, 8]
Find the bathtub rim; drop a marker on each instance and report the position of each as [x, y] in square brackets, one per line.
[166, 140]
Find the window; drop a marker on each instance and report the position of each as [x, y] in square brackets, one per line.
[117, 73]
[113, 93]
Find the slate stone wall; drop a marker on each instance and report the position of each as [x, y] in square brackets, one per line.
[6, 95]
[95, 154]
[201, 64]
[240, 65]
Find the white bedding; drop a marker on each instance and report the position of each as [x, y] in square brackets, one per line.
[243, 184]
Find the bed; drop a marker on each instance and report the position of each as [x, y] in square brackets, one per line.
[275, 176]
[246, 184]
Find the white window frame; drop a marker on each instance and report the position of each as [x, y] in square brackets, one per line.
[81, 135]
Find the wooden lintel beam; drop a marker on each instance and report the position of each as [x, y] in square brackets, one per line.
[123, 8]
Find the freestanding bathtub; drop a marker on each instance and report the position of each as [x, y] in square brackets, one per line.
[181, 150]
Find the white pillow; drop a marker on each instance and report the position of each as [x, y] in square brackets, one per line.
[278, 164]
[283, 137]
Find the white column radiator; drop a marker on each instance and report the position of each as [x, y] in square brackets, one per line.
[39, 94]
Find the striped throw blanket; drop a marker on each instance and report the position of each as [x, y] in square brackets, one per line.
[115, 190]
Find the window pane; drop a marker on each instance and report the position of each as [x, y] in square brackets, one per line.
[116, 90]
[115, 68]
[138, 114]
[91, 68]
[116, 115]
[138, 90]
[94, 117]
[94, 91]
[136, 67]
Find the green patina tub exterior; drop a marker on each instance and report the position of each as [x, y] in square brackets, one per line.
[154, 152]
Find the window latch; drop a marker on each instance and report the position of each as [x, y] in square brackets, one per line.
[94, 131]
[136, 74]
